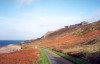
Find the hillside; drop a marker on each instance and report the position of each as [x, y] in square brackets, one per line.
[79, 40]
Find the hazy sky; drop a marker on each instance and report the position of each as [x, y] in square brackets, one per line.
[29, 19]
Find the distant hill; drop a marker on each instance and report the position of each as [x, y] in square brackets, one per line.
[65, 29]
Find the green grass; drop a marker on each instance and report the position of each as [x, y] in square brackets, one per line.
[44, 58]
[73, 59]
[39, 62]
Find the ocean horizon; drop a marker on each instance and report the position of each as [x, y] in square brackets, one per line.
[7, 42]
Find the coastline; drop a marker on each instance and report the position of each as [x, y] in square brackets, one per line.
[12, 47]
[8, 42]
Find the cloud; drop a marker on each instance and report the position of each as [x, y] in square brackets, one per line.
[33, 24]
[26, 1]
[22, 3]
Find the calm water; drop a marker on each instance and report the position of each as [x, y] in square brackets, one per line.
[6, 42]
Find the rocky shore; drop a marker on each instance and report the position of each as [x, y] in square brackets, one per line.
[10, 48]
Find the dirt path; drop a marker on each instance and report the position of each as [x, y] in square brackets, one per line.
[55, 59]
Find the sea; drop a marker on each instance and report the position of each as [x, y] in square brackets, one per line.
[7, 42]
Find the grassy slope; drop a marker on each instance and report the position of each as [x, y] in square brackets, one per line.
[44, 58]
[73, 59]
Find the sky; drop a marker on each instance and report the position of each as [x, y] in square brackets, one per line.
[31, 19]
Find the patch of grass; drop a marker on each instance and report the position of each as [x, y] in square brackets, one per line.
[73, 59]
[76, 60]
[39, 62]
[44, 58]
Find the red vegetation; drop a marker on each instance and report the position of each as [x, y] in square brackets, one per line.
[22, 56]
[70, 40]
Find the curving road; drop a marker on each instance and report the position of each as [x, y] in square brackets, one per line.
[55, 59]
